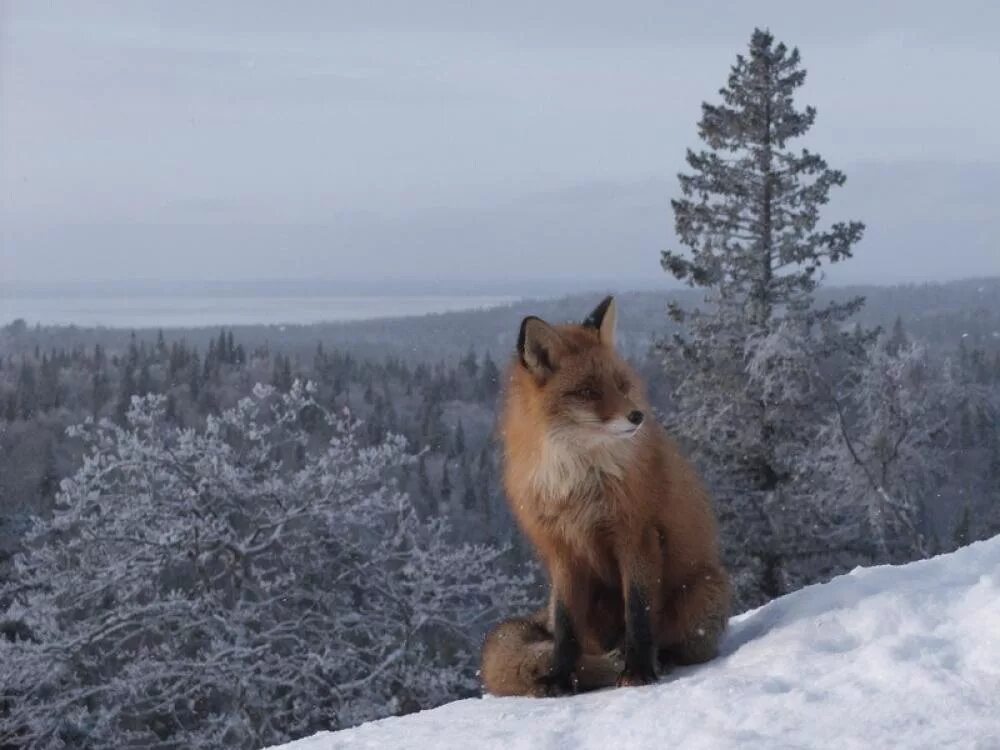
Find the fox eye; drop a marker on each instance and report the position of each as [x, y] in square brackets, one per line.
[622, 383]
[587, 393]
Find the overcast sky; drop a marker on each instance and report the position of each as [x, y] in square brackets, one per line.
[524, 139]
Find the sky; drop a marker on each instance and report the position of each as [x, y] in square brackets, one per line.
[456, 141]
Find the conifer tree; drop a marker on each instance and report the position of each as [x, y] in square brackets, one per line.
[446, 488]
[100, 392]
[423, 480]
[127, 388]
[750, 218]
[469, 500]
[469, 364]
[746, 367]
[48, 482]
[898, 339]
[458, 442]
[489, 378]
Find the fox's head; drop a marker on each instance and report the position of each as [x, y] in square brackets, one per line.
[585, 389]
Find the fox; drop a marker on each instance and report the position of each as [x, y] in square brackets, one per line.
[620, 520]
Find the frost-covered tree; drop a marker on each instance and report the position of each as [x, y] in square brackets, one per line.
[236, 586]
[747, 366]
[884, 445]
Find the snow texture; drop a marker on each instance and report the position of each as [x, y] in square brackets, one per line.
[904, 656]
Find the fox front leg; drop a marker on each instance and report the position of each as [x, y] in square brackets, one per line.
[639, 562]
[568, 613]
[565, 650]
[640, 648]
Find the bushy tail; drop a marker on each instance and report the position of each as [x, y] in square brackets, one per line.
[517, 660]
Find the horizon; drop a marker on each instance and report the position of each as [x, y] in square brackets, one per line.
[201, 305]
[394, 287]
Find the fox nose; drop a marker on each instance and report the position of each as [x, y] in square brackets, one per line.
[635, 417]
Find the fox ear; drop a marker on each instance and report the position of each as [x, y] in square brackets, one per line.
[539, 346]
[603, 320]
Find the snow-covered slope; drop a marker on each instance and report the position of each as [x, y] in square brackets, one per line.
[883, 657]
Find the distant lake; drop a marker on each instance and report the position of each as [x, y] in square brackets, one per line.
[188, 311]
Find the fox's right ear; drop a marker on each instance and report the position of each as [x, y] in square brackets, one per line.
[539, 346]
[602, 320]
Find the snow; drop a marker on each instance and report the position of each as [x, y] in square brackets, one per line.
[905, 656]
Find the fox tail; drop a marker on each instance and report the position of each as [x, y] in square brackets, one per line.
[517, 660]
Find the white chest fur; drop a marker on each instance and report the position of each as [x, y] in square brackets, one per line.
[569, 471]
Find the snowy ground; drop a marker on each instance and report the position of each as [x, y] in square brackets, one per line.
[902, 657]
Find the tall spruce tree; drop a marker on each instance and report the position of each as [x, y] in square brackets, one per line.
[748, 367]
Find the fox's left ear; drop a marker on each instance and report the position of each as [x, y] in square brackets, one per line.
[539, 347]
[603, 320]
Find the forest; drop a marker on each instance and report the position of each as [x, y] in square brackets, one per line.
[59, 403]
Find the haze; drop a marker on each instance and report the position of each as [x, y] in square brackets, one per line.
[454, 141]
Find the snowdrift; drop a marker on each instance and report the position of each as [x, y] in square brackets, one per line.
[882, 657]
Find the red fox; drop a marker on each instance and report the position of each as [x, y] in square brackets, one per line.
[619, 518]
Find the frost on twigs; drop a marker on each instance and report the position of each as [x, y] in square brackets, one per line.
[237, 585]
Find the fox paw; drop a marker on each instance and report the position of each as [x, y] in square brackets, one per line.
[553, 686]
[636, 677]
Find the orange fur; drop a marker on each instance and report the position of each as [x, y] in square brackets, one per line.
[607, 510]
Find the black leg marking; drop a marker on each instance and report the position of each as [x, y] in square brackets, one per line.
[640, 654]
[566, 649]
